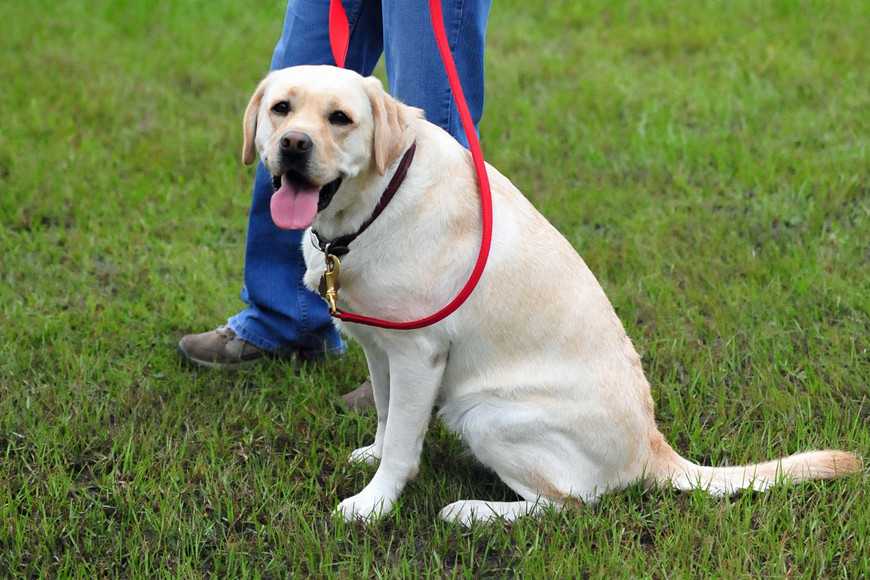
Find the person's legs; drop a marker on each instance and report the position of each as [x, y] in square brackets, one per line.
[414, 65]
[282, 314]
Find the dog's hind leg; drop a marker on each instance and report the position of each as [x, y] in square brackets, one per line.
[536, 450]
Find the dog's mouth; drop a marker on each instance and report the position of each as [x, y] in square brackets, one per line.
[297, 200]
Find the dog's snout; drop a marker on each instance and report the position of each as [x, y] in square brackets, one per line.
[296, 142]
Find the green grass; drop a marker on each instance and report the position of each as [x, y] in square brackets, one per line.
[708, 159]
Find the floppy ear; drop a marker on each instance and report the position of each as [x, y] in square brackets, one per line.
[391, 119]
[249, 123]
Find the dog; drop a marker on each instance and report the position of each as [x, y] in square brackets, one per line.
[534, 372]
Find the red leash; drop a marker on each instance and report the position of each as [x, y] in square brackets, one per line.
[339, 32]
[339, 38]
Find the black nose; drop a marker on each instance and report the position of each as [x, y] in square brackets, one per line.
[295, 142]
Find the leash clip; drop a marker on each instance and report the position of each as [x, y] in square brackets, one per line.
[329, 284]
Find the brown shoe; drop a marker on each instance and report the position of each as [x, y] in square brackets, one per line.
[219, 348]
[361, 398]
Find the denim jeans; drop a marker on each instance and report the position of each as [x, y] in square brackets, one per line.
[281, 313]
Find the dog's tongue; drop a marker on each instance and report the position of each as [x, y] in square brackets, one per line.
[292, 207]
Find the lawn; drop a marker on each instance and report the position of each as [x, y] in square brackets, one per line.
[708, 159]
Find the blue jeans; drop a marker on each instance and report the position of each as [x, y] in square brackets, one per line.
[281, 313]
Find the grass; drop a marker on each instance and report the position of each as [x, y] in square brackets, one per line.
[708, 159]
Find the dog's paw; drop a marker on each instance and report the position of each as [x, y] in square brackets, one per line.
[470, 511]
[369, 454]
[466, 512]
[364, 506]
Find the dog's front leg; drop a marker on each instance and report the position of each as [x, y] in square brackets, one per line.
[379, 372]
[415, 377]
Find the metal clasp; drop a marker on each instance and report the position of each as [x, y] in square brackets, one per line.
[329, 284]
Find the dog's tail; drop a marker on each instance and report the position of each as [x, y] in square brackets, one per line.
[667, 467]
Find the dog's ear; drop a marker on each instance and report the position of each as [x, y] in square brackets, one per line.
[249, 123]
[391, 120]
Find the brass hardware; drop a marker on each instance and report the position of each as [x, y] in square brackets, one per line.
[329, 284]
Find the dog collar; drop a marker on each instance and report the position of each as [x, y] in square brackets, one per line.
[340, 245]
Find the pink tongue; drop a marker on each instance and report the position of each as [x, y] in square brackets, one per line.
[293, 208]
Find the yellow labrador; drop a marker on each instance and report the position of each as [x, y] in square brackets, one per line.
[534, 372]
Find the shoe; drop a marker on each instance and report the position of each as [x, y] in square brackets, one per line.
[220, 348]
[363, 397]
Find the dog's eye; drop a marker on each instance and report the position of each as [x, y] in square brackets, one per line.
[339, 118]
[281, 107]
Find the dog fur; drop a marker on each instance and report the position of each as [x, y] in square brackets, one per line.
[534, 372]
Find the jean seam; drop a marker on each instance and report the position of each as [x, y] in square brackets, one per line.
[452, 44]
[300, 299]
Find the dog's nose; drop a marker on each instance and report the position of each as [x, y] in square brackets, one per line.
[296, 142]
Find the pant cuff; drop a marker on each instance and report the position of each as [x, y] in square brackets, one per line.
[306, 352]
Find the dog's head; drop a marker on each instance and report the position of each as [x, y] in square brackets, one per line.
[316, 127]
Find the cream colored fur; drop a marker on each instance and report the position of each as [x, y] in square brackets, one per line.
[535, 372]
